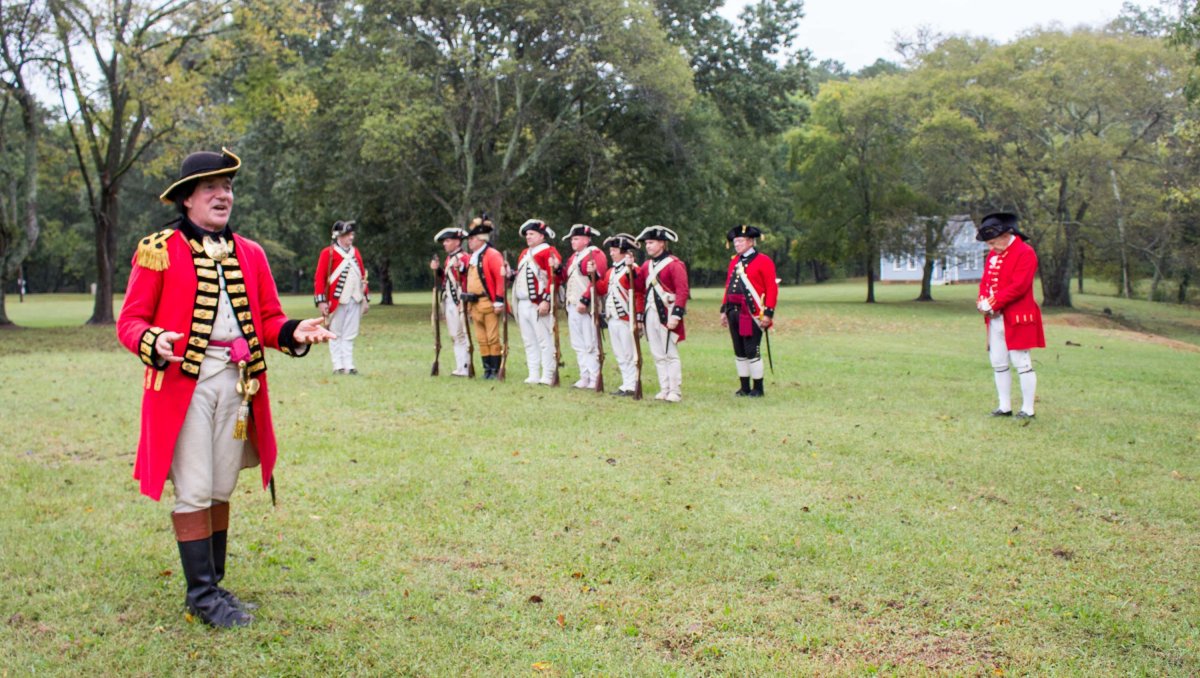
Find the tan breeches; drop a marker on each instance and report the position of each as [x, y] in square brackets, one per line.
[487, 328]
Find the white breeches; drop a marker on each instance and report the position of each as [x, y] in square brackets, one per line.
[537, 334]
[344, 323]
[583, 342]
[458, 334]
[665, 351]
[621, 338]
[207, 457]
[1001, 358]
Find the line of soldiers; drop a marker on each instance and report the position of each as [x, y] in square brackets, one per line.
[632, 301]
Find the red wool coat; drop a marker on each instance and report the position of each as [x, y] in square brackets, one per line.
[599, 265]
[1008, 276]
[541, 260]
[674, 279]
[761, 272]
[165, 299]
[327, 263]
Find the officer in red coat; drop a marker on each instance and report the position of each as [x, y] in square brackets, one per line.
[663, 280]
[748, 307]
[1014, 321]
[484, 294]
[200, 309]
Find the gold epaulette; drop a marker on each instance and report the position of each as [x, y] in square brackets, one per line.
[152, 251]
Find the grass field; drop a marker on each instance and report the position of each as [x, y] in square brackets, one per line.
[866, 517]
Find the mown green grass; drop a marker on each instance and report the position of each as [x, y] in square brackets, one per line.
[867, 516]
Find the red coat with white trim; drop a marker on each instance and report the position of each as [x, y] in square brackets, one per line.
[454, 271]
[761, 273]
[672, 279]
[165, 299]
[629, 295]
[328, 262]
[541, 260]
[1008, 277]
[600, 266]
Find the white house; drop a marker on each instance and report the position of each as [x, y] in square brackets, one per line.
[962, 260]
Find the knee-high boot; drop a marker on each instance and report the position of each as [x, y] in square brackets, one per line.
[193, 534]
[220, 543]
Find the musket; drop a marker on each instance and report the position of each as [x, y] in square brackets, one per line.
[554, 325]
[462, 309]
[637, 339]
[436, 317]
[504, 336]
[596, 322]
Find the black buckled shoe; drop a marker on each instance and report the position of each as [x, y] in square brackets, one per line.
[1023, 415]
[745, 388]
[1001, 413]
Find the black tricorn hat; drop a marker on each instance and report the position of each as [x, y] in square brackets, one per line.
[481, 224]
[623, 241]
[582, 229]
[743, 231]
[448, 233]
[997, 224]
[342, 228]
[536, 225]
[658, 232]
[199, 165]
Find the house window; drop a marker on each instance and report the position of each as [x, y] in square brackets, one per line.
[912, 264]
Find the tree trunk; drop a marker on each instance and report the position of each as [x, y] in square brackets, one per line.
[1122, 243]
[106, 244]
[385, 282]
[930, 261]
[1183, 287]
[1079, 271]
[872, 259]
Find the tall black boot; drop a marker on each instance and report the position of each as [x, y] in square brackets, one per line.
[745, 389]
[490, 366]
[204, 599]
[220, 541]
[757, 391]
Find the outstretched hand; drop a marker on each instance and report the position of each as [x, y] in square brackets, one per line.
[311, 331]
[164, 346]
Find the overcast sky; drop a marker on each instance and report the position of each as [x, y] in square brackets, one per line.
[857, 32]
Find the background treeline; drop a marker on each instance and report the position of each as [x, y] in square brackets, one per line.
[412, 116]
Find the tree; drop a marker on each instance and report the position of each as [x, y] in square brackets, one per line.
[128, 74]
[22, 31]
[848, 161]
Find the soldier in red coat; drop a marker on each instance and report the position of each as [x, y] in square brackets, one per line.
[452, 280]
[620, 308]
[664, 282]
[341, 294]
[531, 289]
[584, 277]
[484, 294]
[748, 307]
[1013, 319]
[200, 309]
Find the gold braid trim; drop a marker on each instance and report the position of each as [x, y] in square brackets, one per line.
[152, 251]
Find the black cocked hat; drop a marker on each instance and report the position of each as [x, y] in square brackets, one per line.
[199, 165]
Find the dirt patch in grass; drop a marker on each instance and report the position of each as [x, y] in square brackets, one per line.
[1111, 328]
[952, 651]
